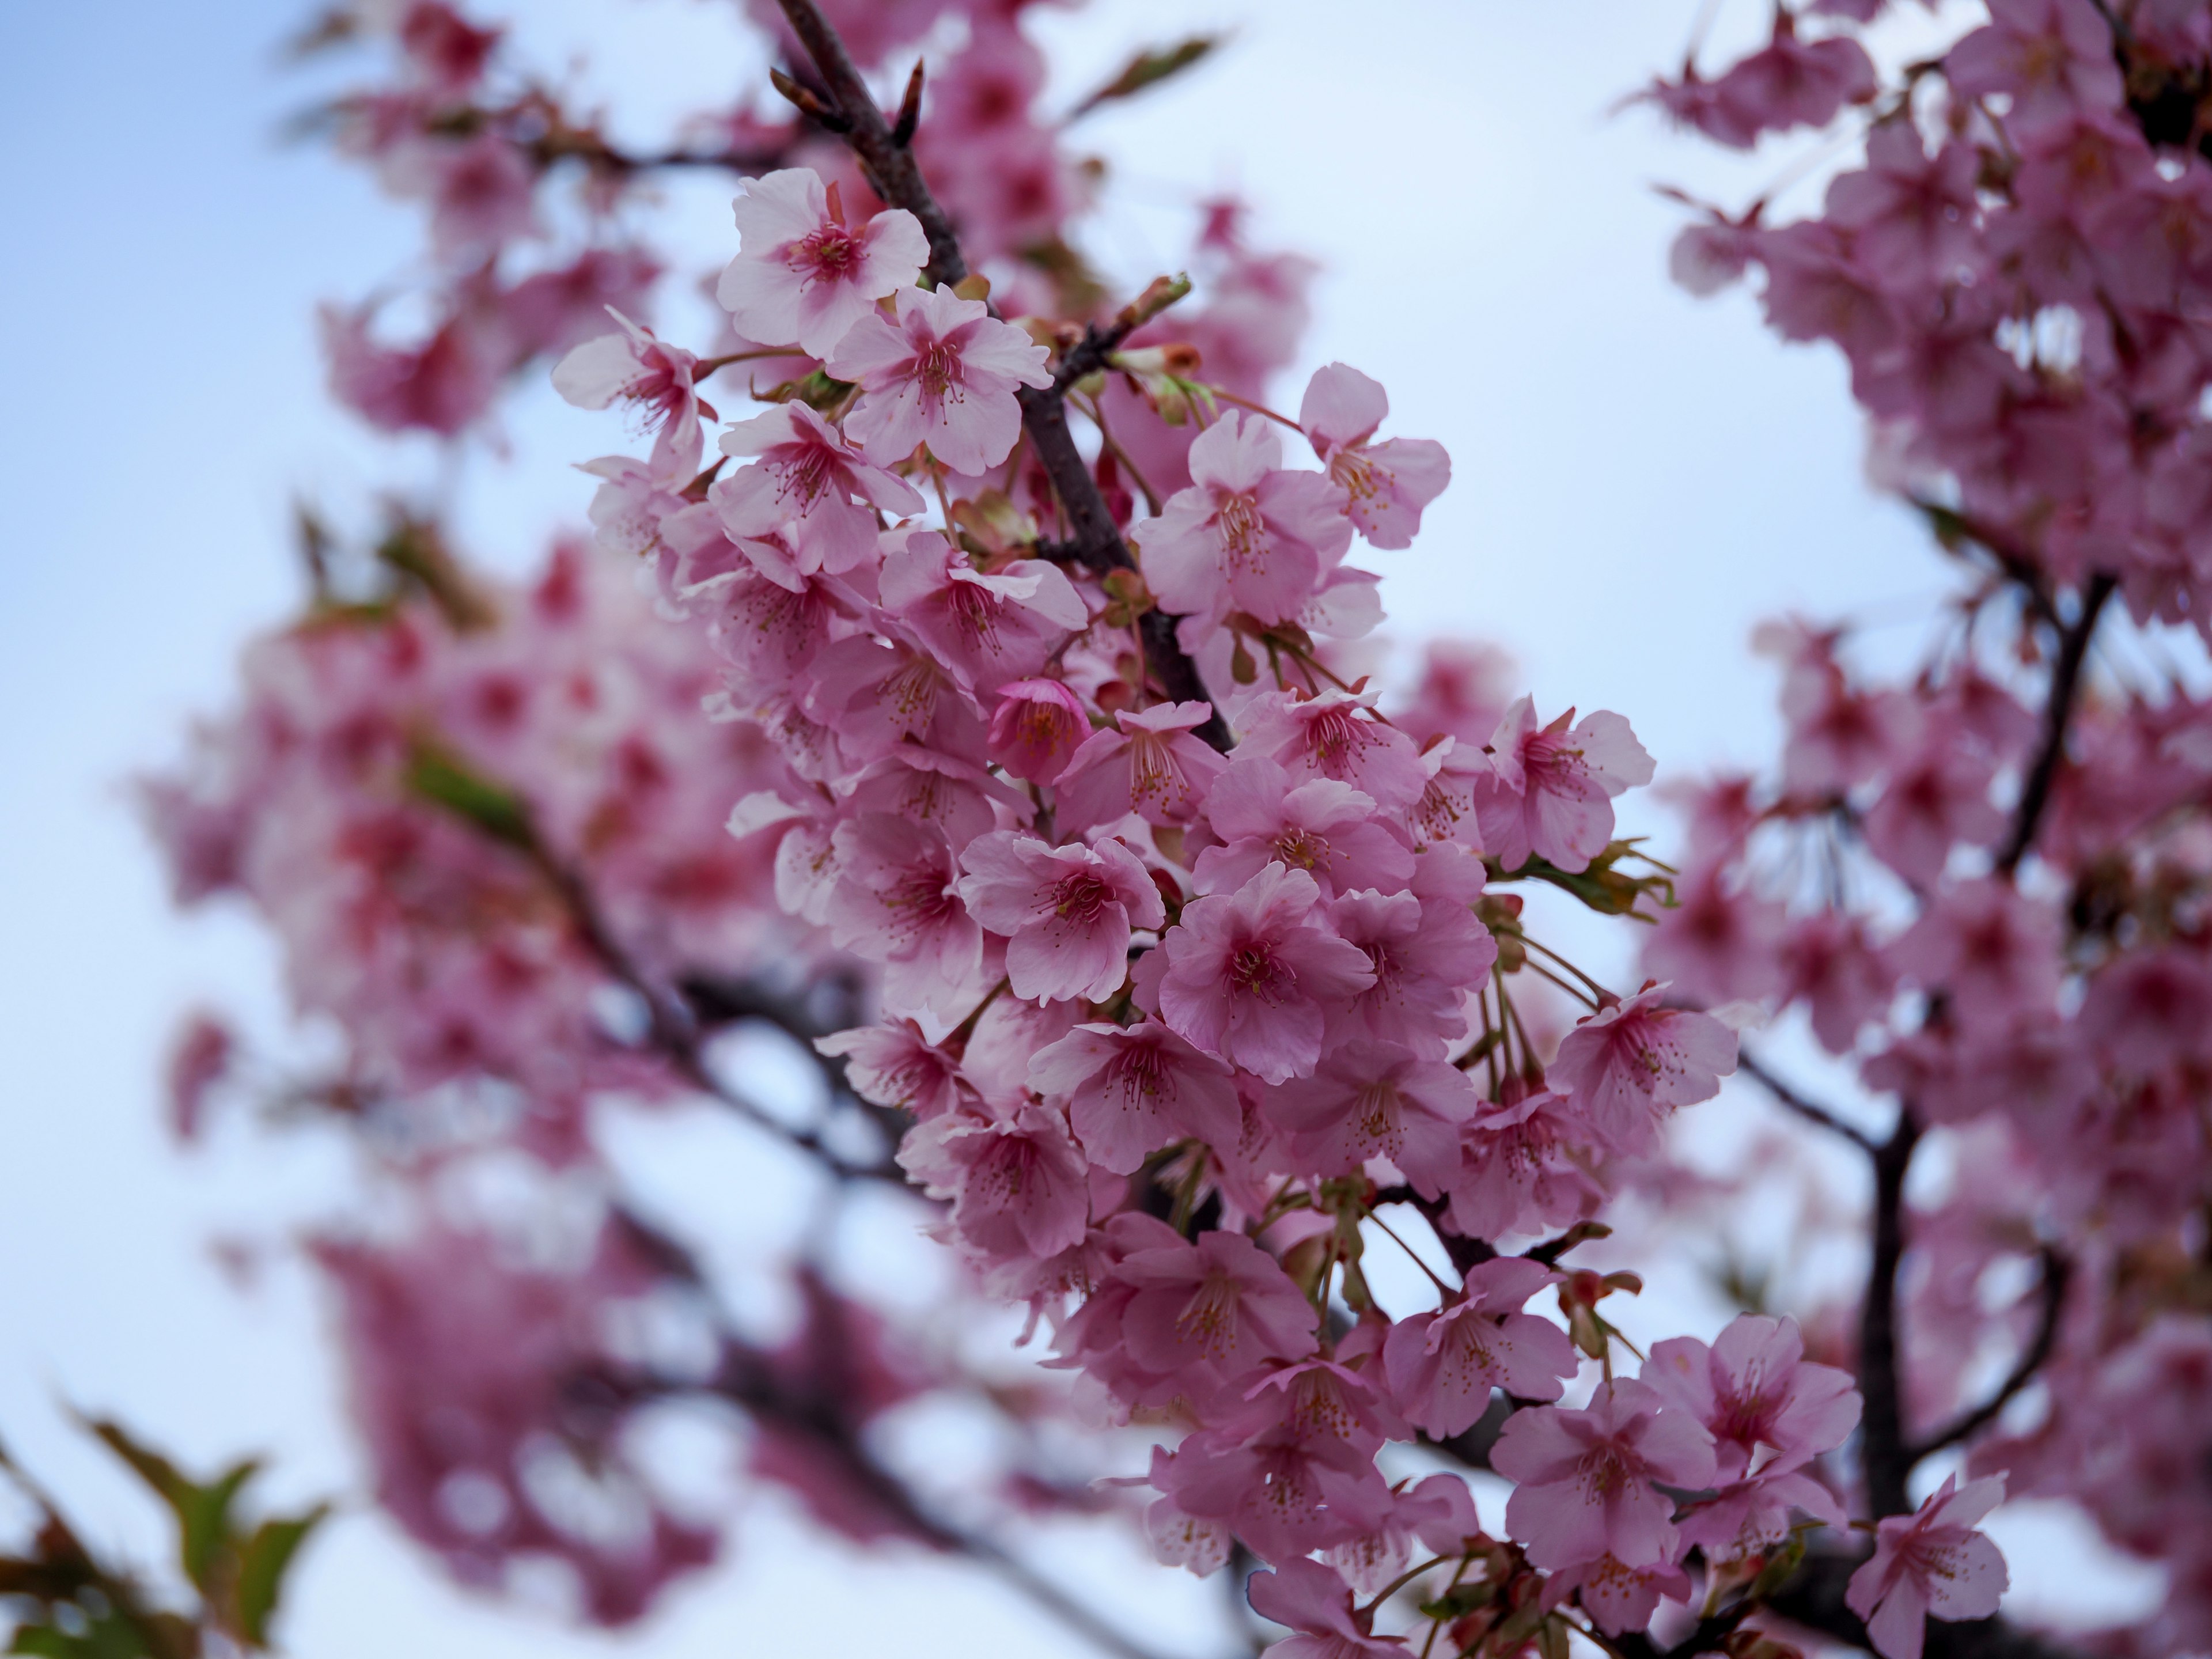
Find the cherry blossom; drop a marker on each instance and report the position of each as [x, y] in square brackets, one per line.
[1443, 1366]
[1246, 535]
[1931, 1563]
[1148, 763]
[1386, 484]
[1631, 1062]
[633, 367]
[1251, 974]
[1314, 1603]
[810, 486]
[1130, 1090]
[1549, 790]
[800, 274]
[1321, 826]
[944, 374]
[1585, 1478]
[1067, 912]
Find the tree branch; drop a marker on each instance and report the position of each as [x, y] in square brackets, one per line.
[2057, 710]
[2055, 1271]
[1752, 1067]
[891, 172]
[1884, 1457]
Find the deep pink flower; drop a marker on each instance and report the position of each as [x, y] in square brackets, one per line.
[1930, 1563]
[1376, 1100]
[944, 374]
[1252, 976]
[1066, 912]
[1321, 826]
[1829, 963]
[990, 627]
[1337, 734]
[879, 698]
[1246, 535]
[1148, 763]
[804, 487]
[1387, 483]
[1524, 1165]
[894, 1065]
[1428, 951]
[1288, 1481]
[1936, 798]
[1316, 1604]
[1036, 729]
[2150, 1009]
[897, 902]
[1585, 1478]
[1788, 83]
[2048, 59]
[1549, 791]
[1753, 1388]
[1631, 1062]
[1618, 1599]
[801, 275]
[1911, 215]
[1022, 1191]
[633, 367]
[1444, 1366]
[1131, 1090]
[1221, 1303]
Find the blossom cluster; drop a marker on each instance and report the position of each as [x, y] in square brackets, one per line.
[2007, 932]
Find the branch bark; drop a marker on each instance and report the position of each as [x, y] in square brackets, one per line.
[893, 174]
[1885, 1458]
[1752, 1067]
[2057, 711]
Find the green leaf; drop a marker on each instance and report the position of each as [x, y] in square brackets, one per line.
[262, 1567]
[203, 1512]
[1149, 69]
[439, 778]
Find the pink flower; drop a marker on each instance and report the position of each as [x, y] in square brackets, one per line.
[1375, 1100]
[2150, 1009]
[1428, 951]
[1148, 763]
[1444, 1366]
[1021, 1187]
[633, 367]
[1931, 1563]
[803, 487]
[945, 375]
[2049, 58]
[1285, 1476]
[1524, 1165]
[1585, 1478]
[879, 698]
[1246, 535]
[1549, 791]
[1618, 1599]
[1131, 1090]
[1222, 1302]
[1317, 1604]
[1828, 963]
[1753, 1388]
[1337, 734]
[1066, 912]
[1791, 82]
[1324, 826]
[1911, 215]
[1252, 976]
[990, 629]
[1631, 1062]
[897, 902]
[1036, 728]
[1387, 483]
[894, 1065]
[1937, 798]
[800, 274]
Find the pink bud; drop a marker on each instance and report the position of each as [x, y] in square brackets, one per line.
[1036, 728]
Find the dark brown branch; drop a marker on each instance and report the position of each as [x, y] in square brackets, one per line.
[1752, 1067]
[1885, 1458]
[2057, 710]
[892, 171]
[2056, 1270]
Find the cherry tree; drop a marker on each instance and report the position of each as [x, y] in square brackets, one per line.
[966, 690]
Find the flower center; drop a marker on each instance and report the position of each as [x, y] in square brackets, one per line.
[1244, 532]
[829, 253]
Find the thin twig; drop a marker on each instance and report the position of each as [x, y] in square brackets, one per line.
[2055, 1271]
[2057, 710]
[1753, 1068]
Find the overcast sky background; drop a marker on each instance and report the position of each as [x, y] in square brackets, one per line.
[1639, 478]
